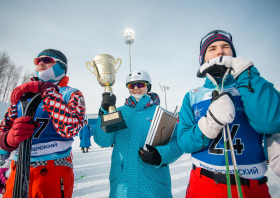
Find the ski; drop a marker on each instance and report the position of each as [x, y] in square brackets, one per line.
[81, 177]
[21, 184]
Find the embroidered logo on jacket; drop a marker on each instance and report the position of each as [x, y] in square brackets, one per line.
[197, 112]
[195, 90]
[81, 102]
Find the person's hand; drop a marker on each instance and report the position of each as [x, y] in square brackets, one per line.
[151, 156]
[221, 64]
[108, 99]
[48, 85]
[220, 112]
[21, 130]
[30, 87]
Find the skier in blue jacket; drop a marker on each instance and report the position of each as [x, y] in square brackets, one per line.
[251, 106]
[134, 171]
[60, 116]
[85, 135]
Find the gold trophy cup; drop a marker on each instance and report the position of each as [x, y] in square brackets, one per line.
[104, 68]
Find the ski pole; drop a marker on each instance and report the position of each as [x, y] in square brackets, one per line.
[225, 140]
[236, 175]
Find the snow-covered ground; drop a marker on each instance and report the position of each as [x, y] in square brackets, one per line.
[96, 166]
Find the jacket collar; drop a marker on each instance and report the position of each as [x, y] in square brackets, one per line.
[145, 101]
[229, 81]
[63, 83]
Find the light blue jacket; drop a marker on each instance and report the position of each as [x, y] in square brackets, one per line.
[262, 108]
[85, 135]
[129, 175]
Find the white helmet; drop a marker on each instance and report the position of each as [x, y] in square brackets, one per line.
[139, 75]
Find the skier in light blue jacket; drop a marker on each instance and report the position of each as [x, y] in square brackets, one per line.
[134, 171]
[85, 135]
[250, 106]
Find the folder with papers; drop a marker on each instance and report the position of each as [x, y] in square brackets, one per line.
[162, 127]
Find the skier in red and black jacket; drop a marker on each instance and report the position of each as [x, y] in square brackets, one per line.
[57, 120]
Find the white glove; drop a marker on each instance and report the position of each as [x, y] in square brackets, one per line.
[273, 151]
[220, 112]
[221, 64]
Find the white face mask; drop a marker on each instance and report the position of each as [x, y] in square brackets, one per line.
[137, 96]
[53, 74]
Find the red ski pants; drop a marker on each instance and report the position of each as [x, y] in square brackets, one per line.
[45, 181]
[201, 186]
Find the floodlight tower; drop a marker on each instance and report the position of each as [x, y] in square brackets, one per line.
[164, 88]
[129, 39]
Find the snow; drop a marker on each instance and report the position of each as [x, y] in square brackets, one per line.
[96, 166]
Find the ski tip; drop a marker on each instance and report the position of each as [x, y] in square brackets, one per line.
[79, 177]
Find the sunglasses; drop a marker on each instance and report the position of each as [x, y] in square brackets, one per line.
[213, 33]
[138, 84]
[46, 60]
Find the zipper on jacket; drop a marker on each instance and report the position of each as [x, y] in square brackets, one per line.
[203, 141]
[62, 187]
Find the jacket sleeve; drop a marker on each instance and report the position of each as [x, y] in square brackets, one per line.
[102, 138]
[67, 117]
[171, 151]
[89, 131]
[262, 106]
[81, 134]
[273, 151]
[190, 138]
[5, 125]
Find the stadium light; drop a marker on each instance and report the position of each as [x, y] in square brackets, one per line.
[129, 39]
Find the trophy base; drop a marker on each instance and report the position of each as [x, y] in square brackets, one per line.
[112, 122]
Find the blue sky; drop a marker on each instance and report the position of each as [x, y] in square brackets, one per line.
[167, 37]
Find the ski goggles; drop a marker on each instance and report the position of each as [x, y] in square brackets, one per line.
[138, 84]
[212, 33]
[46, 60]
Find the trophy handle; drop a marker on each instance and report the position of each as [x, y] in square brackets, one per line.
[118, 59]
[94, 72]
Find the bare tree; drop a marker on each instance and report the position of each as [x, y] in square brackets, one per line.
[9, 76]
[4, 60]
[4, 64]
[27, 76]
[11, 81]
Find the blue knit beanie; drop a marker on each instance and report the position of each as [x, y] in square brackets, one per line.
[56, 54]
[209, 41]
